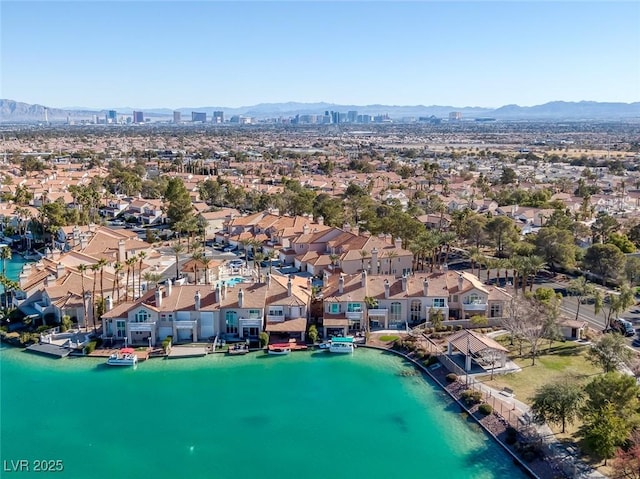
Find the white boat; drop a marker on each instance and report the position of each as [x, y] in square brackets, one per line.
[279, 349]
[342, 345]
[125, 357]
[324, 345]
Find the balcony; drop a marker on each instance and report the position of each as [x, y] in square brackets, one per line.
[186, 324]
[378, 312]
[474, 306]
[145, 327]
[275, 318]
[354, 315]
[39, 306]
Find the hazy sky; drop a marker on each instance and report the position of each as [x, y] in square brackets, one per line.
[210, 53]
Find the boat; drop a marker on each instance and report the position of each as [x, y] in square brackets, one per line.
[342, 345]
[124, 357]
[324, 345]
[238, 349]
[284, 348]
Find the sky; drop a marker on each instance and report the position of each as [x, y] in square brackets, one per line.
[151, 54]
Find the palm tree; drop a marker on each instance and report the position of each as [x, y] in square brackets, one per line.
[102, 263]
[150, 277]
[177, 249]
[535, 264]
[196, 256]
[5, 254]
[141, 256]
[206, 261]
[117, 268]
[131, 263]
[94, 270]
[83, 268]
[391, 255]
[257, 259]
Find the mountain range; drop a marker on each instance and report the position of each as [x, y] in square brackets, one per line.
[17, 112]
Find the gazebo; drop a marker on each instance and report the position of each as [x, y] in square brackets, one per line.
[484, 350]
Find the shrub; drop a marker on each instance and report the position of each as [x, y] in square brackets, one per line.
[512, 435]
[485, 409]
[264, 339]
[89, 348]
[432, 360]
[98, 342]
[452, 377]
[313, 333]
[387, 338]
[450, 328]
[471, 397]
[66, 323]
[457, 327]
[166, 343]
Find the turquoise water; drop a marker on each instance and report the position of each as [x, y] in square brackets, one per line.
[235, 280]
[307, 415]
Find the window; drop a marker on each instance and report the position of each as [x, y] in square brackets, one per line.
[254, 313]
[231, 320]
[276, 312]
[394, 312]
[455, 298]
[121, 328]
[438, 303]
[354, 308]
[142, 316]
[495, 311]
[335, 308]
[416, 310]
[473, 298]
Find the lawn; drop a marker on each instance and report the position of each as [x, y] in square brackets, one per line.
[563, 361]
[388, 338]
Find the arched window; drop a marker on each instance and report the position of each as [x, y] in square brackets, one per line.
[142, 316]
[416, 310]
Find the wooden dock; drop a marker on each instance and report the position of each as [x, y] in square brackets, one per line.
[187, 352]
[49, 350]
[105, 353]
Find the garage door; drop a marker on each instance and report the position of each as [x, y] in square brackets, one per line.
[163, 332]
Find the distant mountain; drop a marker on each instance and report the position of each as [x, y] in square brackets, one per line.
[13, 111]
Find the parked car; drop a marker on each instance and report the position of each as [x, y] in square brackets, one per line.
[229, 249]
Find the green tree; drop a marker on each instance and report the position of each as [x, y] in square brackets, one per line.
[502, 231]
[617, 303]
[623, 243]
[180, 209]
[263, 337]
[616, 388]
[556, 246]
[557, 403]
[508, 176]
[5, 254]
[609, 352]
[632, 270]
[313, 333]
[605, 260]
[604, 431]
[603, 227]
[581, 288]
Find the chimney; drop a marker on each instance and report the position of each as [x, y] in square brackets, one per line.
[445, 267]
[346, 227]
[320, 220]
[398, 243]
[325, 278]
[122, 254]
[374, 261]
[387, 288]
[196, 301]
[268, 280]
[59, 270]
[289, 287]
[363, 278]
[240, 298]
[405, 283]
[460, 282]
[56, 254]
[24, 277]
[341, 284]
[224, 290]
[305, 229]
[169, 287]
[108, 303]
[355, 230]
[46, 282]
[83, 242]
[158, 298]
[216, 294]
[425, 287]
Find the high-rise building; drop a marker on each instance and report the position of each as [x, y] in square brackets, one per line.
[218, 117]
[138, 117]
[176, 117]
[197, 116]
[111, 116]
[352, 116]
[455, 116]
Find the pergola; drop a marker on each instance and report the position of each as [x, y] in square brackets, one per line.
[484, 350]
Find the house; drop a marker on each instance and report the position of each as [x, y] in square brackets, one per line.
[350, 302]
[287, 306]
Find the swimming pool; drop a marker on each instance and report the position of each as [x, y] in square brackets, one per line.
[232, 281]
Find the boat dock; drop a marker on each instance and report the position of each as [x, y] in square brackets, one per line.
[105, 353]
[49, 350]
[187, 352]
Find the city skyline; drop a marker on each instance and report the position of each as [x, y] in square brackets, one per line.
[150, 55]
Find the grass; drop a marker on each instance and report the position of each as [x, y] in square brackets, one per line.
[564, 361]
[387, 338]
